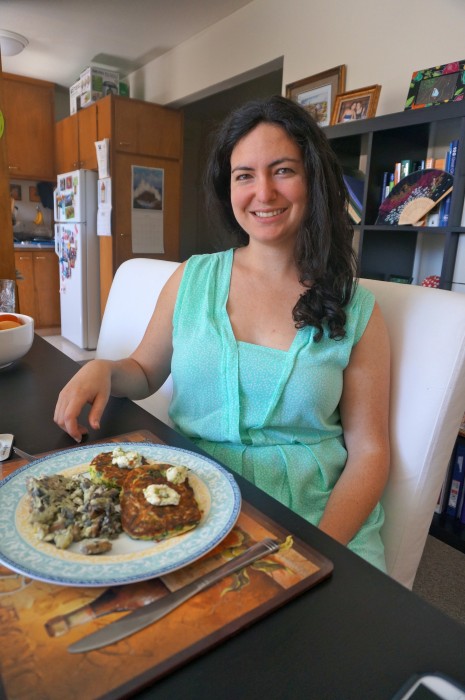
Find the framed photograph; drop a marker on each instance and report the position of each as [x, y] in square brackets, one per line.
[356, 104]
[433, 86]
[318, 93]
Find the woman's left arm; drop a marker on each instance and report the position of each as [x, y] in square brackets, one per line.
[365, 421]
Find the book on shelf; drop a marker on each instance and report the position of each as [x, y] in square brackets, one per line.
[451, 160]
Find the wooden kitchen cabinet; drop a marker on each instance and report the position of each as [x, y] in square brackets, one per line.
[140, 134]
[147, 129]
[39, 286]
[75, 139]
[29, 112]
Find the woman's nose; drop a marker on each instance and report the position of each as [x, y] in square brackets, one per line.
[265, 189]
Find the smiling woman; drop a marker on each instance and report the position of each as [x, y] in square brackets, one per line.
[280, 363]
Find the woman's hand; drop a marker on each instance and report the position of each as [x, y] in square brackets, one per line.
[91, 385]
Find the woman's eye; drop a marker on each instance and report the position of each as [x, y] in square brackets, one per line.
[284, 171]
[242, 176]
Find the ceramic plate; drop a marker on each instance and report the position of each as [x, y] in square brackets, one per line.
[129, 560]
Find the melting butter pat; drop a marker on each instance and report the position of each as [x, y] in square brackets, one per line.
[126, 460]
[177, 475]
[161, 495]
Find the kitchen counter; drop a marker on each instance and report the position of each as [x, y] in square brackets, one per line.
[34, 245]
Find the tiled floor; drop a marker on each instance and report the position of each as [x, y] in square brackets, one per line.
[73, 351]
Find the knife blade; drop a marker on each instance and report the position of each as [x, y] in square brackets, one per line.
[145, 616]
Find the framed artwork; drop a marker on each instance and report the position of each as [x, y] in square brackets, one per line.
[318, 93]
[433, 86]
[356, 104]
[33, 194]
[15, 192]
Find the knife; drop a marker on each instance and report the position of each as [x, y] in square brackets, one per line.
[142, 617]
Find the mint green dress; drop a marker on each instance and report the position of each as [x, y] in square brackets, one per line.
[270, 415]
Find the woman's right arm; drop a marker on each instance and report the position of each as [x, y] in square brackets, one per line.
[136, 377]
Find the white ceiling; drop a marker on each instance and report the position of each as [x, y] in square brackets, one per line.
[65, 36]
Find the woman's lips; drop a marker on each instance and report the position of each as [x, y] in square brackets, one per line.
[268, 214]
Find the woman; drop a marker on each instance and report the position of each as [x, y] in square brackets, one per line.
[280, 362]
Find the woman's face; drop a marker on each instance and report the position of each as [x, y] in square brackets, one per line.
[268, 184]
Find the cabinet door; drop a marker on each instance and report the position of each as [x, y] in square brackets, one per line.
[122, 208]
[25, 283]
[147, 129]
[29, 111]
[47, 289]
[87, 127]
[67, 144]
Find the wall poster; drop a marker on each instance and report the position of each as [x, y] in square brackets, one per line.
[147, 209]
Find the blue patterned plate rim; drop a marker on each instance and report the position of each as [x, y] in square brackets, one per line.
[137, 561]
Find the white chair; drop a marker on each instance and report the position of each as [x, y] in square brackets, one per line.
[132, 299]
[427, 333]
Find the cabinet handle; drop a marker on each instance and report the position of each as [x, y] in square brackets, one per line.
[40, 257]
[24, 257]
[125, 143]
[13, 167]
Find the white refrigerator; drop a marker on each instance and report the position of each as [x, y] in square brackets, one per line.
[77, 247]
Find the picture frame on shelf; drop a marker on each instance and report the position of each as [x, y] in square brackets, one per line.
[317, 93]
[436, 85]
[356, 104]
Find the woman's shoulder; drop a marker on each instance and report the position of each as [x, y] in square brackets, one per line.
[361, 296]
[208, 259]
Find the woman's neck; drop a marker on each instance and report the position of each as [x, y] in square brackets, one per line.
[267, 259]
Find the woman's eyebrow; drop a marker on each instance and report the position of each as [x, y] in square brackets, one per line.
[278, 161]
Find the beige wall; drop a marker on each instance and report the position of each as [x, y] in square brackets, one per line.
[379, 42]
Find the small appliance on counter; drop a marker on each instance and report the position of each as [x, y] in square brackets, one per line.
[77, 247]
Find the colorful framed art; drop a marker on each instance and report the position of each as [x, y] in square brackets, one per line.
[356, 104]
[433, 86]
[318, 93]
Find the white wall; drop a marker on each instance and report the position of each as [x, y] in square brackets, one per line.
[379, 42]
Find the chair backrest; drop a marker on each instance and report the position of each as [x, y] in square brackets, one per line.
[132, 299]
[427, 333]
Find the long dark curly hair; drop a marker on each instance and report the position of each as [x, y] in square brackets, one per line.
[323, 252]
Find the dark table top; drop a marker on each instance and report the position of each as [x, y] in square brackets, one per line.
[357, 635]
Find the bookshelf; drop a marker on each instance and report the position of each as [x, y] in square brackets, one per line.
[447, 528]
[372, 147]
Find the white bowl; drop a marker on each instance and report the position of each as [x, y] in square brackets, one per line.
[16, 342]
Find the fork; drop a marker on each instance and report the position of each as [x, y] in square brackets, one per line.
[24, 455]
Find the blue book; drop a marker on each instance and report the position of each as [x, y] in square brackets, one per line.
[451, 160]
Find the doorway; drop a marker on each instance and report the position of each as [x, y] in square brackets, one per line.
[200, 119]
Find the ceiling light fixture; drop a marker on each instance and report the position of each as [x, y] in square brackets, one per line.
[11, 43]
